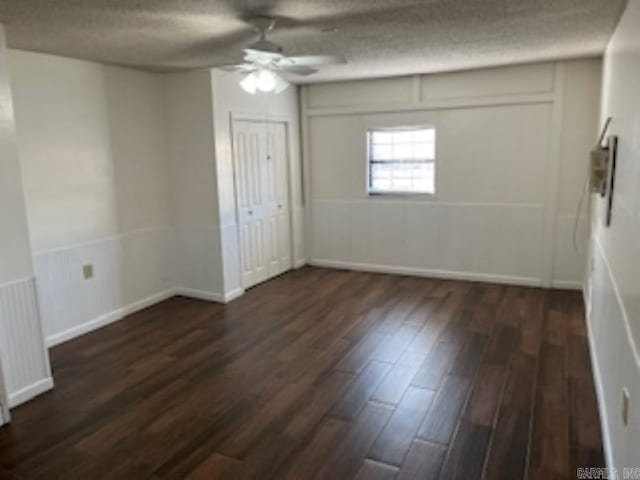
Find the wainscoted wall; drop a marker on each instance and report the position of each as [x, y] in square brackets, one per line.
[149, 224]
[130, 271]
[24, 358]
[569, 263]
[197, 258]
[230, 101]
[96, 178]
[508, 179]
[196, 261]
[613, 286]
[229, 236]
[298, 216]
[4, 397]
[616, 363]
[465, 241]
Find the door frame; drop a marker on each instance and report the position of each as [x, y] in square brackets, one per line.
[5, 416]
[265, 119]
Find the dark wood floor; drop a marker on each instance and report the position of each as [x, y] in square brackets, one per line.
[322, 374]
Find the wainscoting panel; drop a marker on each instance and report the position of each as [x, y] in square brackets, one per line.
[196, 260]
[130, 271]
[493, 242]
[67, 300]
[569, 263]
[232, 280]
[616, 364]
[298, 224]
[145, 264]
[24, 357]
[4, 397]
[510, 150]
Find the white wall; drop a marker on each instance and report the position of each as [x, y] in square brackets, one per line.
[65, 148]
[229, 100]
[613, 290]
[197, 254]
[200, 105]
[121, 172]
[96, 179]
[15, 254]
[507, 178]
[579, 128]
[23, 358]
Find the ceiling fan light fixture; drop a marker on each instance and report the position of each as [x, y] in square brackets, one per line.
[263, 80]
[281, 84]
[264, 62]
[249, 83]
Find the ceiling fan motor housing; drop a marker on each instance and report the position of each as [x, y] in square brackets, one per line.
[266, 46]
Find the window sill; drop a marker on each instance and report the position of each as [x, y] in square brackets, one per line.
[402, 195]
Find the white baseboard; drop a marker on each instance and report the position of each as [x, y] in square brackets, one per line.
[597, 380]
[106, 319]
[209, 296]
[300, 263]
[432, 273]
[233, 294]
[567, 285]
[200, 294]
[147, 302]
[66, 335]
[27, 393]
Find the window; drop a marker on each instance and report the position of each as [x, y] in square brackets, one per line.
[402, 160]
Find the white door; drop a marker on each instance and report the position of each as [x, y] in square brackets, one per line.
[249, 148]
[278, 199]
[260, 157]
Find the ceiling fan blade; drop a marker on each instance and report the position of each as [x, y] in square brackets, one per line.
[243, 67]
[251, 55]
[314, 60]
[302, 70]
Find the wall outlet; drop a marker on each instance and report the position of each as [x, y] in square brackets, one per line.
[87, 271]
[625, 406]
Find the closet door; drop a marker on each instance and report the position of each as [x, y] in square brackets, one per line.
[249, 153]
[262, 195]
[278, 199]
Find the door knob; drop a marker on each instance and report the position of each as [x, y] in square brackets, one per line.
[279, 206]
[250, 212]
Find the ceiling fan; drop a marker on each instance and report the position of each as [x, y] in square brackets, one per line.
[264, 62]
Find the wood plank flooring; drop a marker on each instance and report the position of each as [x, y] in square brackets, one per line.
[322, 374]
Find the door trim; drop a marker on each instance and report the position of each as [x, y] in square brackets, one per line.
[274, 119]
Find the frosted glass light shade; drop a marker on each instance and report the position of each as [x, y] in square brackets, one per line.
[263, 80]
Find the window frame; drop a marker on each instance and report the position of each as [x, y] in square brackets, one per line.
[399, 193]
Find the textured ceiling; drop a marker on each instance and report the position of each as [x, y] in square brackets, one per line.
[378, 37]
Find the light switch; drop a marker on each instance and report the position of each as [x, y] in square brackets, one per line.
[625, 406]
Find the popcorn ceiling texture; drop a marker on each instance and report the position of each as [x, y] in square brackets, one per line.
[378, 37]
